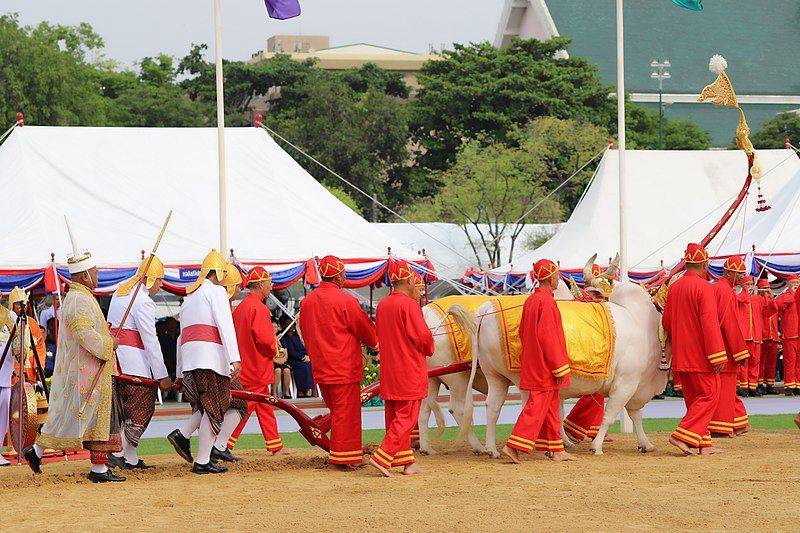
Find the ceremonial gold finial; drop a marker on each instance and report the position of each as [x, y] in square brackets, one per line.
[721, 93]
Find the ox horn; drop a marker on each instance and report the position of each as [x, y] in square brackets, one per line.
[611, 271]
[587, 271]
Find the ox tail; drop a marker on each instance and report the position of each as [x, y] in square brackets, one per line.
[466, 420]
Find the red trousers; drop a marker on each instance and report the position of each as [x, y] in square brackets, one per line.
[585, 418]
[401, 419]
[344, 402]
[730, 413]
[791, 363]
[266, 419]
[748, 374]
[701, 396]
[538, 424]
[769, 363]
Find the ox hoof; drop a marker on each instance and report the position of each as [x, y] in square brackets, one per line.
[647, 449]
[597, 451]
[479, 451]
[494, 454]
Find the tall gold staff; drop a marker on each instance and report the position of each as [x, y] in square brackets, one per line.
[136, 288]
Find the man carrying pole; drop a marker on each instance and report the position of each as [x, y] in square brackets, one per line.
[139, 354]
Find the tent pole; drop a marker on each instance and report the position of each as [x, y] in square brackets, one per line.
[626, 424]
[223, 207]
[371, 286]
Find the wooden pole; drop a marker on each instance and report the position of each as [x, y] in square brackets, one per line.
[223, 199]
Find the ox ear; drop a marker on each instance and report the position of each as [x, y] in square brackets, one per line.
[587, 270]
[611, 271]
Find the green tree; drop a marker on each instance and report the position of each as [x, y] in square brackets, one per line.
[492, 190]
[774, 132]
[679, 134]
[345, 198]
[482, 90]
[43, 74]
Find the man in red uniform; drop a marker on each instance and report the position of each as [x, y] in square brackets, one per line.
[584, 420]
[753, 310]
[545, 369]
[405, 341]
[730, 415]
[769, 342]
[698, 353]
[787, 308]
[334, 327]
[257, 348]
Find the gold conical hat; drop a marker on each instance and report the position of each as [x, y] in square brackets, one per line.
[233, 278]
[17, 295]
[213, 262]
[154, 272]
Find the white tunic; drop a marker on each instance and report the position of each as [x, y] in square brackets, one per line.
[8, 365]
[207, 306]
[147, 362]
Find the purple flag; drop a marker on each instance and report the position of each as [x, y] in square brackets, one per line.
[282, 9]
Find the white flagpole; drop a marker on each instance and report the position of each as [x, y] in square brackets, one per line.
[223, 200]
[626, 424]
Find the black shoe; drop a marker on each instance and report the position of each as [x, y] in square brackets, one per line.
[742, 393]
[181, 445]
[208, 468]
[658, 397]
[770, 390]
[118, 462]
[761, 390]
[4, 464]
[754, 393]
[34, 461]
[105, 477]
[225, 455]
[138, 466]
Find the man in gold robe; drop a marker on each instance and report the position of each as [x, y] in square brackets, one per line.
[85, 347]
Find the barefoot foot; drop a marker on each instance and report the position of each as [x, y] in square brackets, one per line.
[411, 470]
[709, 450]
[562, 456]
[384, 471]
[680, 445]
[512, 454]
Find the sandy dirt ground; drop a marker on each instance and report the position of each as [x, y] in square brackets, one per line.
[754, 485]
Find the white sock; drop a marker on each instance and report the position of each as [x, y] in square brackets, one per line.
[191, 425]
[39, 450]
[207, 439]
[4, 461]
[229, 423]
[99, 469]
[128, 451]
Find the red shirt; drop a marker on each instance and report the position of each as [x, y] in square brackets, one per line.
[544, 348]
[754, 309]
[732, 335]
[333, 328]
[405, 341]
[690, 319]
[256, 339]
[770, 331]
[787, 308]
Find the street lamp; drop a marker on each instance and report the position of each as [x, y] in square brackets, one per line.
[660, 72]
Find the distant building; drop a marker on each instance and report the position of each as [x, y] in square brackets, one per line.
[297, 43]
[757, 37]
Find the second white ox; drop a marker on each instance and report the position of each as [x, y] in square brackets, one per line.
[633, 380]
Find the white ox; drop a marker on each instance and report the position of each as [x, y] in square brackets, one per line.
[634, 377]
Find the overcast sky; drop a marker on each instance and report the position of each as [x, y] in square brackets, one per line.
[139, 28]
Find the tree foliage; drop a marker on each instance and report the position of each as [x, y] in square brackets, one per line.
[493, 189]
[479, 90]
[774, 132]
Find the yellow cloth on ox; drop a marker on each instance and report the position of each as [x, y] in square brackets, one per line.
[588, 329]
[460, 342]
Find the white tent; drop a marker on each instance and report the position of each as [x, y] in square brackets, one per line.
[448, 247]
[674, 197]
[116, 185]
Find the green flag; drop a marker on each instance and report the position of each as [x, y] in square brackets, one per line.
[694, 5]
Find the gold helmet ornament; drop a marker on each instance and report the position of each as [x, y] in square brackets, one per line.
[17, 295]
[213, 262]
[233, 278]
[154, 273]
